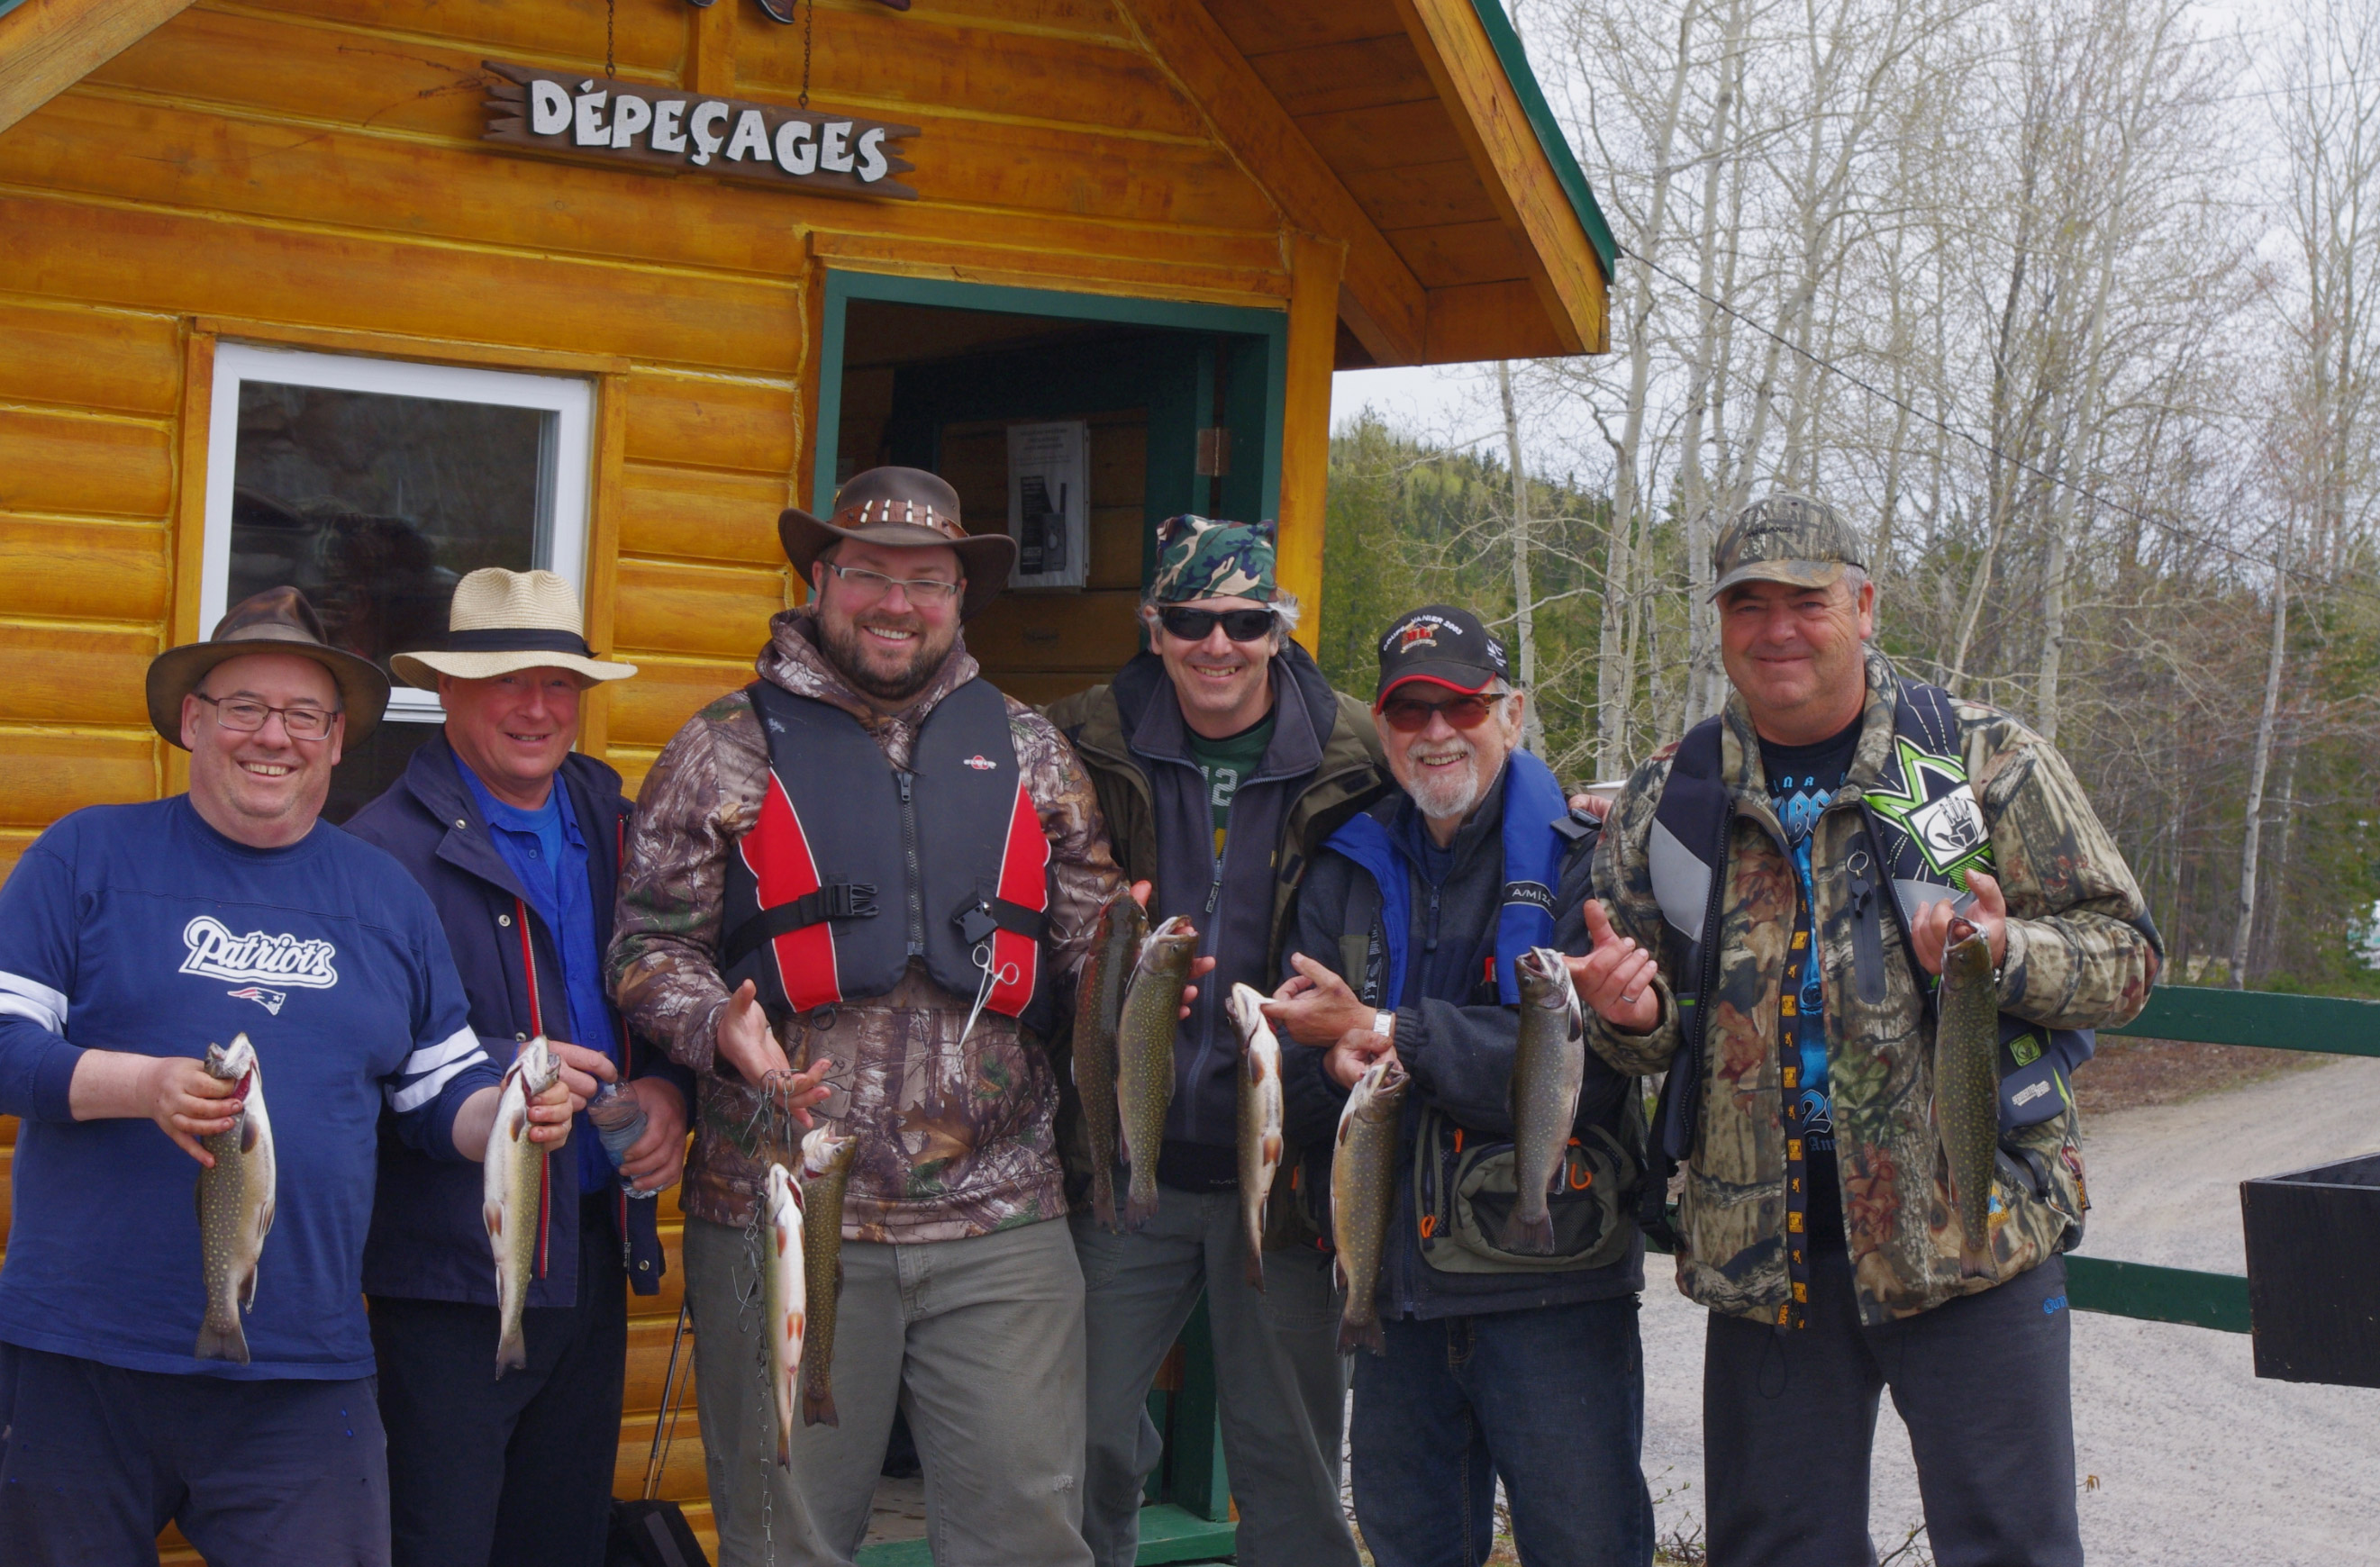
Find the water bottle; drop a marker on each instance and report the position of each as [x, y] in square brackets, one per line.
[619, 1118]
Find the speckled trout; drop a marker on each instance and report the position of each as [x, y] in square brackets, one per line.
[511, 1195]
[826, 1169]
[1152, 1009]
[1099, 1006]
[1967, 1085]
[1549, 1065]
[785, 1301]
[1260, 1111]
[1363, 1195]
[235, 1205]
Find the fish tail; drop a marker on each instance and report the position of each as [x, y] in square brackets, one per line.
[817, 1407]
[221, 1338]
[1532, 1236]
[512, 1354]
[1362, 1335]
[784, 1448]
[1140, 1206]
[1975, 1263]
[1103, 1195]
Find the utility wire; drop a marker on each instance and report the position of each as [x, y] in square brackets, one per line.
[2163, 525]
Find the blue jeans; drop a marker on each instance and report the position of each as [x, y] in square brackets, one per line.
[1552, 1400]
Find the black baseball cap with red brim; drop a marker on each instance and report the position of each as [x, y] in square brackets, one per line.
[1444, 645]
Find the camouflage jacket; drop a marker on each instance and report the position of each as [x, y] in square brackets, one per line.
[2073, 960]
[954, 1140]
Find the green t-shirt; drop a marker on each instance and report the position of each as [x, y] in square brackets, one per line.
[1226, 763]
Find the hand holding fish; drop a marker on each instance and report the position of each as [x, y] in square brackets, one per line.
[583, 1071]
[1986, 909]
[1198, 966]
[172, 1091]
[1315, 1006]
[1355, 1052]
[1616, 978]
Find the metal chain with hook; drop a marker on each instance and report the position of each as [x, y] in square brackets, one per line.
[611, 22]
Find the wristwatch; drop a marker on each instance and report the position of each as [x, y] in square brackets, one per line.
[1384, 1024]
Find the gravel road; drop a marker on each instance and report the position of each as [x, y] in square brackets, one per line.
[2197, 1461]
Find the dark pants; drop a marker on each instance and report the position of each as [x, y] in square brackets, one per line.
[94, 1459]
[518, 1472]
[1552, 1400]
[1788, 1417]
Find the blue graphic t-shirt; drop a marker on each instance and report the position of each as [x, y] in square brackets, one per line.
[1802, 780]
[140, 928]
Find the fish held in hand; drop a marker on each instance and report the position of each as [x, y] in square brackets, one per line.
[785, 1303]
[1967, 1086]
[513, 1195]
[1152, 1009]
[1099, 1009]
[1259, 1121]
[1549, 1066]
[235, 1204]
[1363, 1195]
[826, 1170]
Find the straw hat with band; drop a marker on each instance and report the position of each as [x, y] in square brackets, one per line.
[907, 508]
[501, 622]
[276, 621]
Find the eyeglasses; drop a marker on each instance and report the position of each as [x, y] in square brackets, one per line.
[247, 714]
[876, 585]
[1410, 715]
[1197, 625]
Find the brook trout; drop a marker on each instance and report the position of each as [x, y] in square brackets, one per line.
[826, 1169]
[513, 1189]
[1259, 1119]
[1967, 1085]
[784, 1299]
[1548, 1067]
[1152, 1006]
[1363, 1195]
[235, 1205]
[1099, 1006]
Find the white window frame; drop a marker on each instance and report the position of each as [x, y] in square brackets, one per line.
[561, 538]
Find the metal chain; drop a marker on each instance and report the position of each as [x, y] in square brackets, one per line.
[611, 18]
[809, 19]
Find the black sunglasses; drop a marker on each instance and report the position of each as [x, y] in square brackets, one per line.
[1197, 625]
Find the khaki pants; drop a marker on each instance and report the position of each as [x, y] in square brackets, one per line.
[979, 1342]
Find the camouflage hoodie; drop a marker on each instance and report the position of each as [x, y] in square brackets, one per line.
[954, 1140]
[2073, 960]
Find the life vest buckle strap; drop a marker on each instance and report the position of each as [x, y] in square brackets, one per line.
[836, 901]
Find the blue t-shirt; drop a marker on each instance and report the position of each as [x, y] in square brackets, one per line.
[1802, 781]
[546, 853]
[139, 928]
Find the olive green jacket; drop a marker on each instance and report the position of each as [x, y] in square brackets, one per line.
[2079, 956]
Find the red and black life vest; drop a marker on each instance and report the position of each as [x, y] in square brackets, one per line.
[856, 867]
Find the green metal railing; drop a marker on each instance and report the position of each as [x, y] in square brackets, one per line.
[2266, 1021]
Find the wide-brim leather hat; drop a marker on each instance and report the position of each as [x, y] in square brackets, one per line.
[279, 620]
[906, 509]
[501, 622]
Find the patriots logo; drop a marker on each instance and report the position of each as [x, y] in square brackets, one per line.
[270, 1000]
[979, 762]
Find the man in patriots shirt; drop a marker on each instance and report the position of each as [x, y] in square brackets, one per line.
[132, 939]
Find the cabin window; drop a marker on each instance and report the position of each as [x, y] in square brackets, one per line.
[374, 485]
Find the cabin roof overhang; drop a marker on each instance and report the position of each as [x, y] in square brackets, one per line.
[1410, 131]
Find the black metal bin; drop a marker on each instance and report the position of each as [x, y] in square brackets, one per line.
[2313, 1272]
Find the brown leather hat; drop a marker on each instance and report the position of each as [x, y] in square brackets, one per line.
[276, 621]
[909, 508]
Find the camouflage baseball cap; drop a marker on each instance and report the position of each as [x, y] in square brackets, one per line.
[1783, 537]
[1206, 558]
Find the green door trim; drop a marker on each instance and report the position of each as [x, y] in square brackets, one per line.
[842, 287]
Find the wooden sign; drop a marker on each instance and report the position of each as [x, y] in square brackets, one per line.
[596, 119]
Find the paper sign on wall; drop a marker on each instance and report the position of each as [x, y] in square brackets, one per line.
[1049, 503]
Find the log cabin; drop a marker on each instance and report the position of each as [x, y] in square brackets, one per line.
[363, 294]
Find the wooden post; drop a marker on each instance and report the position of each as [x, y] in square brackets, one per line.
[1315, 265]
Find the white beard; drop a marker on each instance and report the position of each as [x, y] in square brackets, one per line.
[1438, 795]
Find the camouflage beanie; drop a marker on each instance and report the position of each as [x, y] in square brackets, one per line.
[1202, 558]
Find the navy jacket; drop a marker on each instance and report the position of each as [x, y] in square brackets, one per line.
[428, 1240]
